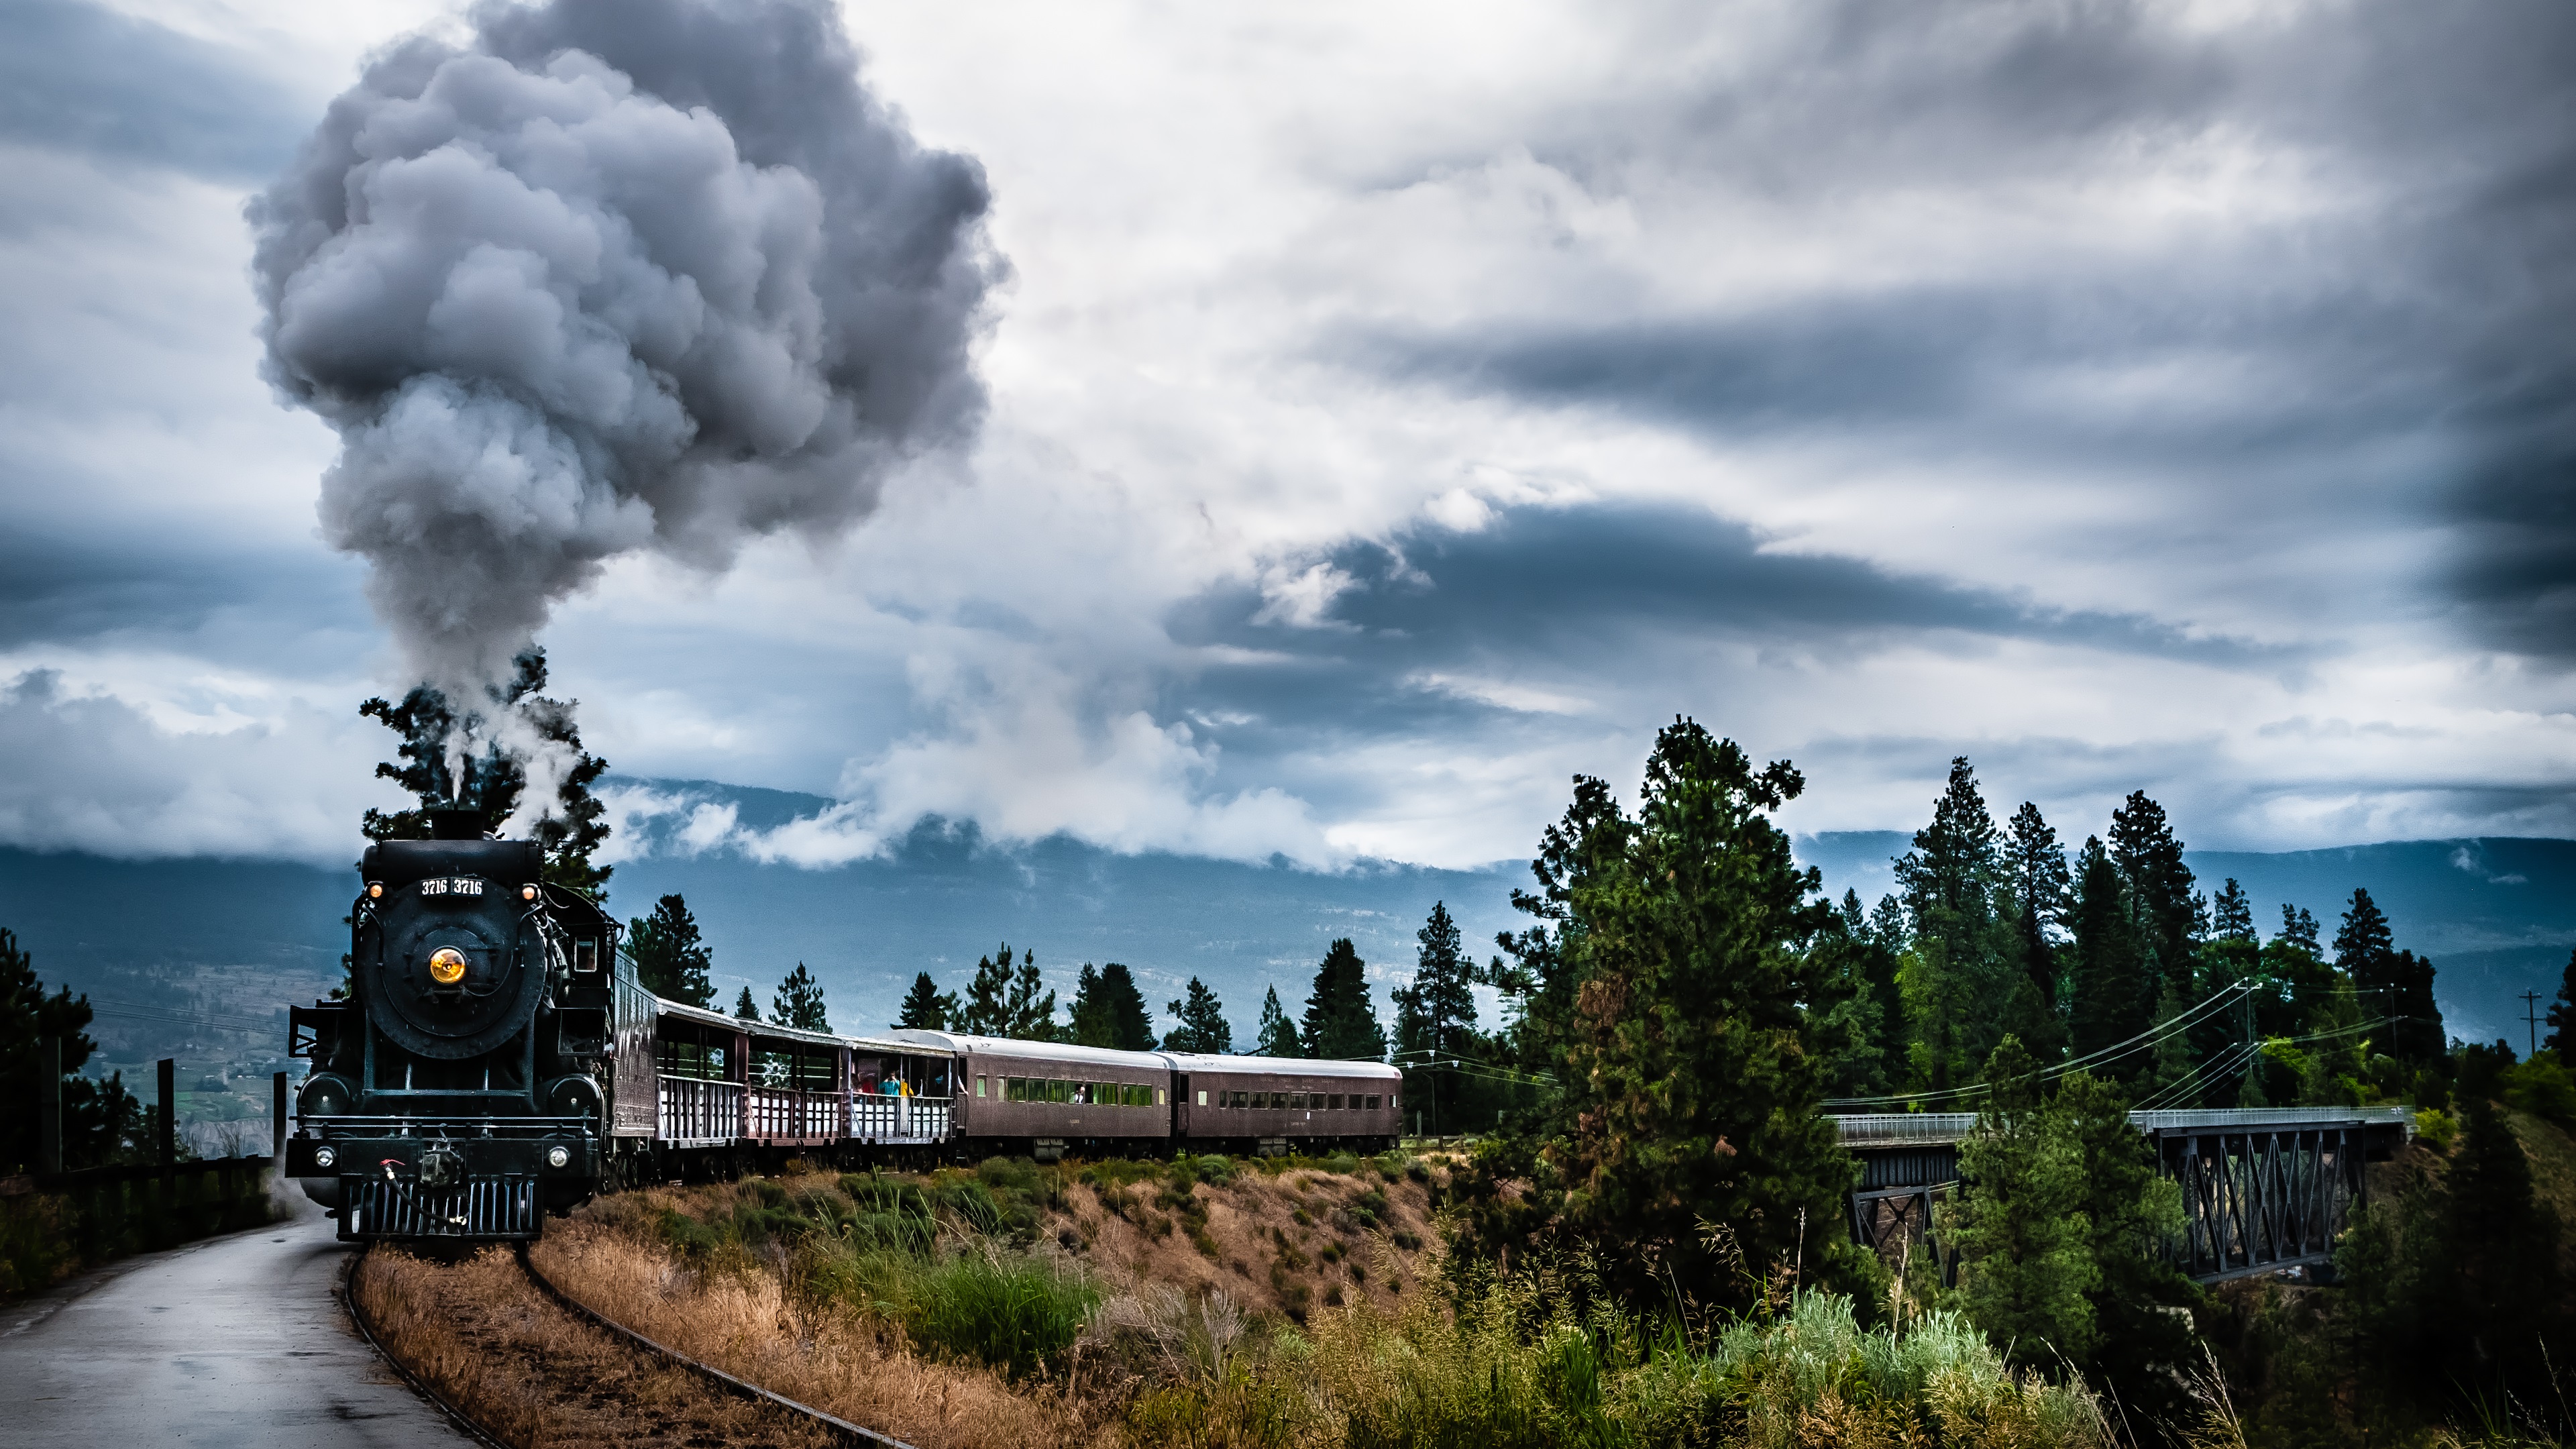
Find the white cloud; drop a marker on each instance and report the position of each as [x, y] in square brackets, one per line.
[246, 777]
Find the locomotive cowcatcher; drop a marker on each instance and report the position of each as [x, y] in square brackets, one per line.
[456, 1093]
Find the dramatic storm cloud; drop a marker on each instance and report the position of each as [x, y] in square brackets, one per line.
[616, 276]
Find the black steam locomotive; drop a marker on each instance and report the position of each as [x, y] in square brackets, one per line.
[457, 1092]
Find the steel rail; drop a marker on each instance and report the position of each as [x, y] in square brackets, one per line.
[847, 1431]
[348, 1295]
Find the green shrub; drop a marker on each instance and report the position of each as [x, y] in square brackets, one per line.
[2437, 1127]
[1016, 1314]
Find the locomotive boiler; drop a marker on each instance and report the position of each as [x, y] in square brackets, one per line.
[457, 1092]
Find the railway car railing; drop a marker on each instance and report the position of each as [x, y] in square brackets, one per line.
[822, 1115]
[876, 1118]
[772, 1112]
[695, 1111]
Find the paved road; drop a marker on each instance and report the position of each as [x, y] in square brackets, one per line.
[232, 1341]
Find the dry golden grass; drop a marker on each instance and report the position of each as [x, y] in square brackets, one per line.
[536, 1376]
[1266, 1258]
[826, 1355]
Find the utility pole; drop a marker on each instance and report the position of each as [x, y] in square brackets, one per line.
[2531, 1018]
[166, 1129]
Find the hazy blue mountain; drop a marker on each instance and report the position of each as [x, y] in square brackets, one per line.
[202, 955]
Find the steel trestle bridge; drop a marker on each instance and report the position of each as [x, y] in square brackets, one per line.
[2264, 1188]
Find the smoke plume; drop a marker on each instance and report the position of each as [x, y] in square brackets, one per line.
[618, 275]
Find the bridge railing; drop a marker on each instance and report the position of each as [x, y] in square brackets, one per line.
[1887, 1129]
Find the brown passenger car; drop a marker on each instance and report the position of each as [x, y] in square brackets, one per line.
[1273, 1105]
[1048, 1098]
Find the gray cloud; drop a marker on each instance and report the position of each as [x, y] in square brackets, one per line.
[1572, 581]
[619, 277]
[2404, 275]
[81, 78]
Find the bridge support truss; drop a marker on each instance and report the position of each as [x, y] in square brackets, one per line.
[2261, 1199]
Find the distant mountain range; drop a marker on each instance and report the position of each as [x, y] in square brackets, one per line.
[222, 939]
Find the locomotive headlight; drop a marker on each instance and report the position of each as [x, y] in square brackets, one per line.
[446, 965]
[527, 893]
[375, 890]
[558, 1157]
[326, 1157]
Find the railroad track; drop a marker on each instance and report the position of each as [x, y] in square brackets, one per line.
[357, 1311]
[838, 1428]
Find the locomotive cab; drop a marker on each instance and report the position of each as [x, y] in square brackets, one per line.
[455, 1094]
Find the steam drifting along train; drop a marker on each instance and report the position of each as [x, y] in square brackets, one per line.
[496, 1061]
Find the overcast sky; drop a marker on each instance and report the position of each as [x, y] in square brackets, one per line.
[1393, 410]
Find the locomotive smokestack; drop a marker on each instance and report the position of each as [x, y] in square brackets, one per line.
[618, 275]
[454, 824]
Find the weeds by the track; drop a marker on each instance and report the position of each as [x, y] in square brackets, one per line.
[531, 1374]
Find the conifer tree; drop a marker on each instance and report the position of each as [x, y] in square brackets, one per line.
[2415, 1017]
[1030, 1004]
[2026, 1273]
[2165, 912]
[2299, 928]
[1087, 1019]
[1878, 940]
[1108, 1010]
[924, 1008]
[986, 1010]
[1202, 1024]
[799, 1002]
[1435, 1016]
[2041, 895]
[488, 778]
[2111, 983]
[102, 1122]
[669, 957]
[1277, 1035]
[2231, 915]
[744, 1008]
[2562, 1015]
[1960, 974]
[2365, 949]
[1670, 990]
[1131, 1025]
[1341, 1020]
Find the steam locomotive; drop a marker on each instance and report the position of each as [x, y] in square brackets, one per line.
[457, 1092]
[496, 1061]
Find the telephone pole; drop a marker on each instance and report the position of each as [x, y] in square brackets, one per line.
[2531, 1017]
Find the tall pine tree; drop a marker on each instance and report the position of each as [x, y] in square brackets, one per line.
[2113, 993]
[744, 1008]
[1435, 1016]
[1277, 1034]
[1959, 977]
[669, 957]
[1671, 991]
[2562, 1015]
[924, 1008]
[2165, 912]
[102, 1122]
[1202, 1025]
[1341, 1020]
[986, 1009]
[799, 1002]
[1108, 1010]
[1030, 1004]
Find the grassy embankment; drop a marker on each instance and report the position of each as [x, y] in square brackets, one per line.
[1212, 1303]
